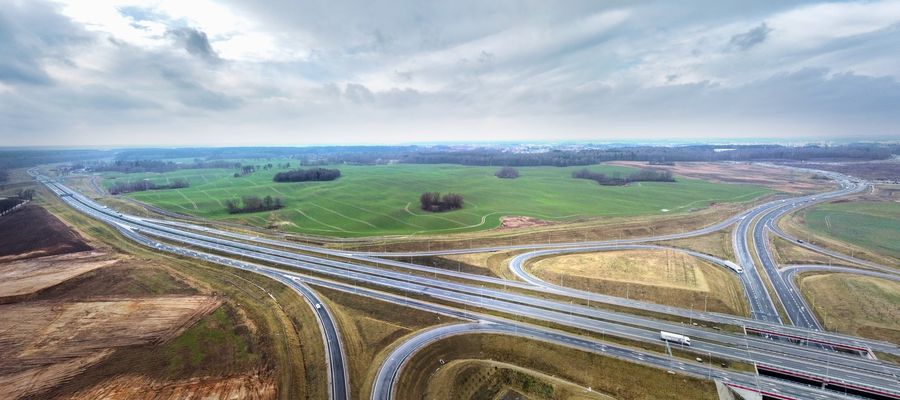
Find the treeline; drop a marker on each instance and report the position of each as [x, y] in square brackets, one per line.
[249, 204]
[644, 175]
[19, 158]
[304, 175]
[507, 173]
[142, 186]
[434, 202]
[652, 154]
[136, 166]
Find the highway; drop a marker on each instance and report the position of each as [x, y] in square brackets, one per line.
[384, 387]
[468, 295]
[794, 305]
[759, 326]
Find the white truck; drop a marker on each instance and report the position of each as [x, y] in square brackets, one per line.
[674, 337]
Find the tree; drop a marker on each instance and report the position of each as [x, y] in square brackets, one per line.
[231, 206]
[25, 194]
[507, 173]
[428, 200]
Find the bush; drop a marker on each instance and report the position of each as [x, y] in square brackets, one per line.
[507, 173]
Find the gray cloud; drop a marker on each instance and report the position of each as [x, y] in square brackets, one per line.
[753, 37]
[349, 70]
[33, 34]
[194, 42]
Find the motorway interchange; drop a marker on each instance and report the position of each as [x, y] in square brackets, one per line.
[795, 358]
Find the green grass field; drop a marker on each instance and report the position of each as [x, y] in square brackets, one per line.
[872, 225]
[383, 200]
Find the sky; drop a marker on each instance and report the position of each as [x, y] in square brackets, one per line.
[298, 72]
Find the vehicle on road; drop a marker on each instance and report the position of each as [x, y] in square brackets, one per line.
[674, 337]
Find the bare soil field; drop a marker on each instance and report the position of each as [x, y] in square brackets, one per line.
[39, 335]
[510, 222]
[782, 179]
[616, 378]
[29, 276]
[887, 170]
[251, 386]
[108, 323]
[484, 379]
[854, 304]
[658, 276]
[33, 232]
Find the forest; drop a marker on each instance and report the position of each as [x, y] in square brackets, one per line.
[644, 175]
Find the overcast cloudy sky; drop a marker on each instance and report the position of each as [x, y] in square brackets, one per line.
[227, 72]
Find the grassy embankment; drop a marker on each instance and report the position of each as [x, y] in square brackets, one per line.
[874, 226]
[854, 304]
[658, 276]
[383, 200]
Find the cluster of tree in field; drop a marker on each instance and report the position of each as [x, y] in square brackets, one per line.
[249, 204]
[25, 194]
[434, 202]
[507, 173]
[144, 185]
[245, 170]
[305, 175]
[616, 179]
